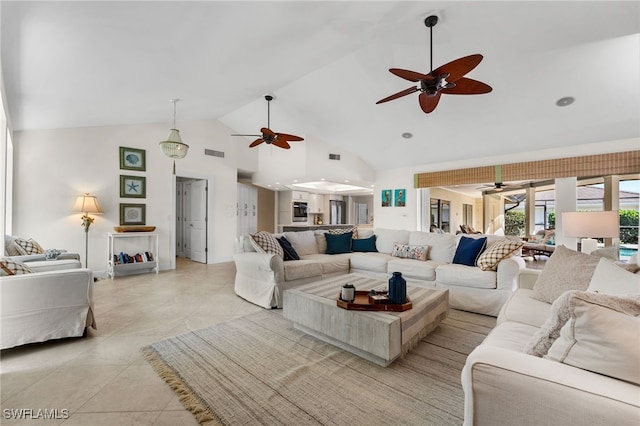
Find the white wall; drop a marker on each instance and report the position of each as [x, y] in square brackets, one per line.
[52, 167]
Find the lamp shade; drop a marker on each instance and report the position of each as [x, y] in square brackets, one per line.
[87, 204]
[174, 147]
[591, 224]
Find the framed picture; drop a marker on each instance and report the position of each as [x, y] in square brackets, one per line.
[132, 159]
[399, 199]
[386, 198]
[133, 214]
[133, 186]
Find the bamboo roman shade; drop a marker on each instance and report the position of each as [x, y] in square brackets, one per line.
[617, 163]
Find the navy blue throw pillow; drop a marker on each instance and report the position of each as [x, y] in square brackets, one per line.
[289, 252]
[337, 244]
[468, 250]
[364, 244]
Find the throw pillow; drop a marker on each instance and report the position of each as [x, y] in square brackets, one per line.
[337, 244]
[601, 335]
[13, 248]
[503, 249]
[364, 244]
[468, 250]
[565, 270]
[13, 267]
[354, 231]
[611, 279]
[267, 243]
[410, 252]
[29, 246]
[610, 252]
[562, 310]
[287, 248]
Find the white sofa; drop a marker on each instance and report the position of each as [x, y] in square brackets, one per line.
[261, 278]
[503, 385]
[54, 303]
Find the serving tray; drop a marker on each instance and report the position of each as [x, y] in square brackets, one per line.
[364, 302]
[134, 228]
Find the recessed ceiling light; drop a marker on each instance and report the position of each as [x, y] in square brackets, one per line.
[566, 101]
[407, 135]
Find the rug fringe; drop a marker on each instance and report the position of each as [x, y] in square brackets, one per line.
[203, 414]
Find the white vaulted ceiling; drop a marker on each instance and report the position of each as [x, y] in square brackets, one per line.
[88, 63]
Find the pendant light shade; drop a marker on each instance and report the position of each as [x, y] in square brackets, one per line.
[173, 147]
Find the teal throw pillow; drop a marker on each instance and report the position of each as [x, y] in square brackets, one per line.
[364, 244]
[468, 250]
[337, 244]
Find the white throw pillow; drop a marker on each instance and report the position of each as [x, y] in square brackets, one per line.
[612, 279]
[601, 337]
[303, 242]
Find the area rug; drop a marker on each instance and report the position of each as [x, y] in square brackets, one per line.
[258, 369]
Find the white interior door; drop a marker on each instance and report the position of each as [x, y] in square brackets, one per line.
[198, 221]
[363, 212]
[186, 213]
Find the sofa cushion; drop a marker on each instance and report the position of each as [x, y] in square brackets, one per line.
[304, 242]
[13, 267]
[331, 263]
[265, 242]
[469, 250]
[365, 232]
[510, 335]
[612, 279]
[321, 240]
[303, 268]
[364, 244]
[465, 276]
[503, 249]
[601, 335]
[289, 252]
[421, 270]
[522, 308]
[565, 270]
[372, 262]
[386, 237]
[408, 251]
[442, 246]
[337, 244]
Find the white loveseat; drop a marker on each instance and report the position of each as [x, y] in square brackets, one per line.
[45, 305]
[261, 278]
[504, 385]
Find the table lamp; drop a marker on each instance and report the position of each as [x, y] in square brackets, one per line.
[591, 225]
[87, 204]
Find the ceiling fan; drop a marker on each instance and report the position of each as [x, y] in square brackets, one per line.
[448, 79]
[270, 137]
[498, 185]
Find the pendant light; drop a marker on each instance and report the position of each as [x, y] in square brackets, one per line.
[173, 147]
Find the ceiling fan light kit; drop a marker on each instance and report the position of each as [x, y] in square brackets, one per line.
[448, 79]
[270, 137]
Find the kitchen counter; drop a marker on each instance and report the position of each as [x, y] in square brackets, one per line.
[306, 227]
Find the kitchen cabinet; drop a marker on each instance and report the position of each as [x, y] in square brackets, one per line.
[316, 203]
[299, 196]
[247, 210]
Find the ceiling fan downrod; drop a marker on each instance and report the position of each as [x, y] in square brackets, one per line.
[431, 22]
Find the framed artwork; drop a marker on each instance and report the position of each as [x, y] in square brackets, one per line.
[399, 199]
[386, 198]
[132, 159]
[133, 186]
[133, 214]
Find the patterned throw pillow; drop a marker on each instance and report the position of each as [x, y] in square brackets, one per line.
[504, 249]
[267, 243]
[13, 267]
[13, 248]
[410, 252]
[353, 230]
[29, 246]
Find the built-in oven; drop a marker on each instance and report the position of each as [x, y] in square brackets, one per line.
[299, 211]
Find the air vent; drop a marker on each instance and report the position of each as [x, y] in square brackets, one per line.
[334, 156]
[214, 153]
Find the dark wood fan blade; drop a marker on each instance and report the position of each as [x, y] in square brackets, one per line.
[400, 94]
[281, 144]
[256, 142]
[267, 131]
[458, 68]
[428, 103]
[288, 138]
[410, 75]
[468, 86]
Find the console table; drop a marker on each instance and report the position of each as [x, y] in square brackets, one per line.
[135, 242]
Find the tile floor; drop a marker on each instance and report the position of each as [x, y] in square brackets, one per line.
[103, 379]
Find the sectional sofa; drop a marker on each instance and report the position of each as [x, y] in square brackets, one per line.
[262, 277]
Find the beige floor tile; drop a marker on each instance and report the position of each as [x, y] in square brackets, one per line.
[136, 418]
[173, 418]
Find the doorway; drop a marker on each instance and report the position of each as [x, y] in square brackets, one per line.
[191, 218]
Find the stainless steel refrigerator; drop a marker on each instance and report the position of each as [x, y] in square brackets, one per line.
[337, 214]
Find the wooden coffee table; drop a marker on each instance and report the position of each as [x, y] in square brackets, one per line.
[380, 337]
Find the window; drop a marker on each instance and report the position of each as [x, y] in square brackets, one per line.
[467, 214]
[440, 214]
